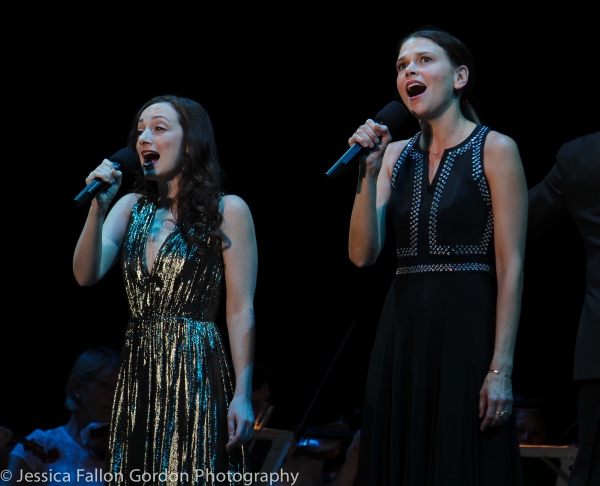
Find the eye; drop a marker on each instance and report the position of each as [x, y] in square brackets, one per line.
[400, 66]
[159, 127]
[426, 59]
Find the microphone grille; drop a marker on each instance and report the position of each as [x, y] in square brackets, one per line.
[126, 158]
[392, 115]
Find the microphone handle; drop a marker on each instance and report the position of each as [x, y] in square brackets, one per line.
[345, 161]
[92, 190]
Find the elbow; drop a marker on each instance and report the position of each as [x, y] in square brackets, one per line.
[84, 280]
[510, 271]
[361, 260]
[514, 262]
[84, 283]
[363, 255]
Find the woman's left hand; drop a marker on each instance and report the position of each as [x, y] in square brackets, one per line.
[495, 400]
[240, 422]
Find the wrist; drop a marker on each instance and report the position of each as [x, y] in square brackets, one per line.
[242, 394]
[500, 373]
[98, 209]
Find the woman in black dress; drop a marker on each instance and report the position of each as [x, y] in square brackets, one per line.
[438, 401]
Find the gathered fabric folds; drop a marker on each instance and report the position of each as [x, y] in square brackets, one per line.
[169, 423]
[436, 332]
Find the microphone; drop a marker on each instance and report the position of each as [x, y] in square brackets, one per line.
[124, 160]
[393, 115]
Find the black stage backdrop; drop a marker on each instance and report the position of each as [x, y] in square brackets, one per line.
[285, 90]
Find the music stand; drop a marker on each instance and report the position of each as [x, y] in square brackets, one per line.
[550, 462]
[269, 449]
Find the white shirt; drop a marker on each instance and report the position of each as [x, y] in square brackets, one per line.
[75, 466]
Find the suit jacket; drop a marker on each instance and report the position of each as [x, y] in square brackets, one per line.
[572, 189]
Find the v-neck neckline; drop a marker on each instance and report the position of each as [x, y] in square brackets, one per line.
[431, 185]
[150, 270]
[433, 182]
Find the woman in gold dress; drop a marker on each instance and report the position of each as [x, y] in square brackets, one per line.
[182, 409]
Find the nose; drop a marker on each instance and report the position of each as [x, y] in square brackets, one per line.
[411, 69]
[144, 137]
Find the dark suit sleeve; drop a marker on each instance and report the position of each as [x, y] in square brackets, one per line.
[546, 202]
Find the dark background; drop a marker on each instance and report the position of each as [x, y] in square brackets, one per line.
[285, 90]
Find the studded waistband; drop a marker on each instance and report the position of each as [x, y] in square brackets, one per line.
[446, 267]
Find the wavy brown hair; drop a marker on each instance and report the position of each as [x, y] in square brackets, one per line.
[197, 203]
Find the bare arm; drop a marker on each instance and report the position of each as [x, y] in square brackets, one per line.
[97, 249]
[367, 222]
[504, 172]
[241, 263]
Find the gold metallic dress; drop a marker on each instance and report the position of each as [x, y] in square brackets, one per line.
[169, 423]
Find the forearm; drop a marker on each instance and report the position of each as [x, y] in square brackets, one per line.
[241, 331]
[87, 258]
[364, 240]
[508, 311]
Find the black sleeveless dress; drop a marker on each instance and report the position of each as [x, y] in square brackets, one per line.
[435, 338]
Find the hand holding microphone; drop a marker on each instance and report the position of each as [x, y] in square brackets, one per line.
[392, 115]
[125, 160]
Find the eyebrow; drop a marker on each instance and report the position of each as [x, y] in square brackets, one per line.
[422, 53]
[154, 117]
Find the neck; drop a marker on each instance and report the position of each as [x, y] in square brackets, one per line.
[168, 189]
[445, 134]
[74, 427]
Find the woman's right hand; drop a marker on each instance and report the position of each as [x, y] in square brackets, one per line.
[376, 138]
[106, 172]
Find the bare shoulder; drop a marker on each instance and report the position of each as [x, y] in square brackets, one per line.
[502, 162]
[398, 146]
[125, 203]
[234, 208]
[393, 151]
[237, 227]
[500, 145]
